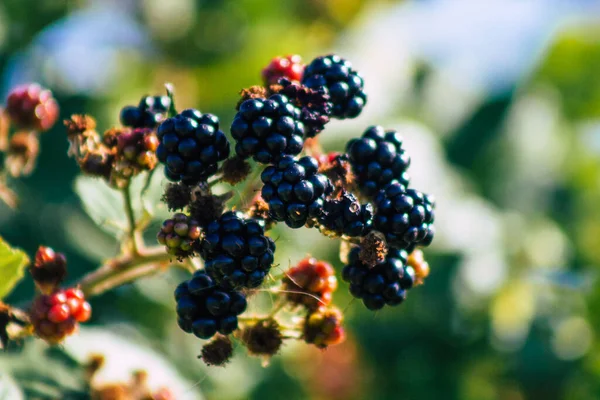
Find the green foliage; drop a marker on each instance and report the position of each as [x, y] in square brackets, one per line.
[12, 267]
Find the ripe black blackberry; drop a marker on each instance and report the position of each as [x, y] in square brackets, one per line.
[344, 85]
[149, 113]
[191, 146]
[405, 217]
[315, 106]
[346, 216]
[236, 252]
[267, 129]
[294, 190]
[385, 283]
[377, 159]
[203, 308]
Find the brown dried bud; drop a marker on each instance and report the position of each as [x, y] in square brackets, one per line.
[97, 162]
[80, 125]
[235, 170]
[10, 318]
[49, 269]
[337, 168]
[217, 352]
[177, 196]
[373, 249]
[262, 338]
[206, 208]
[259, 209]
[23, 150]
[253, 92]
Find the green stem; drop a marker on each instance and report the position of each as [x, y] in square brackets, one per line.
[124, 269]
[131, 222]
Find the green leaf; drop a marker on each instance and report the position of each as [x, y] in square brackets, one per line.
[12, 267]
[9, 389]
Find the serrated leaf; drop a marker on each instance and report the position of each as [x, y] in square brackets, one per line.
[12, 267]
[104, 204]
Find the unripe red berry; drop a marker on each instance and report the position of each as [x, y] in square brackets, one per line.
[324, 328]
[290, 67]
[49, 269]
[32, 107]
[310, 283]
[179, 234]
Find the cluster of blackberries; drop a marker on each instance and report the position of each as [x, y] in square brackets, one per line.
[342, 83]
[204, 308]
[385, 283]
[180, 235]
[236, 252]
[405, 217]
[294, 190]
[191, 146]
[30, 106]
[377, 159]
[346, 216]
[55, 316]
[268, 129]
[149, 113]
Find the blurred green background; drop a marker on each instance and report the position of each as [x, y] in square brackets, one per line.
[499, 105]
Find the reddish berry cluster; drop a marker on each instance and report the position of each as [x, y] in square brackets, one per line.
[136, 151]
[179, 234]
[324, 328]
[55, 316]
[290, 67]
[310, 283]
[32, 107]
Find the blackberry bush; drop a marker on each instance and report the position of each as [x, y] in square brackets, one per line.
[378, 159]
[268, 129]
[294, 190]
[236, 251]
[203, 308]
[405, 217]
[343, 84]
[191, 146]
[385, 283]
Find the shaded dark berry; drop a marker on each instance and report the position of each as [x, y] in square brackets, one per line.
[342, 83]
[267, 129]
[405, 217]
[294, 190]
[236, 252]
[191, 146]
[346, 216]
[49, 269]
[377, 159]
[149, 113]
[204, 308]
[385, 283]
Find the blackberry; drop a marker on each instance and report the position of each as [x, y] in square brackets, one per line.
[203, 308]
[405, 217]
[310, 283]
[55, 316]
[315, 106]
[346, 216]
[377, 159]
[191, 146]
[324, 328]
[385, 283]
[236, 252]
[267, 129]
[149, 113]
[344, 85]
[30, 106]
[294, 190]
[180, 235]
[290, 67]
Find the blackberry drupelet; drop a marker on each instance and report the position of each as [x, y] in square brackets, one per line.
[385, 283]
[268, 129]
[149, 113]
[346, 216]
[405, 217]
[204, 308]
[180, 235]
[294, 190]
[315, 106]
[191, 146]
[236, 252]
[344, 85]
[377, 159]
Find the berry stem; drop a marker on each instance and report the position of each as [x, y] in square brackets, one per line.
[134, 237]
[171, 93]
[123, 269]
